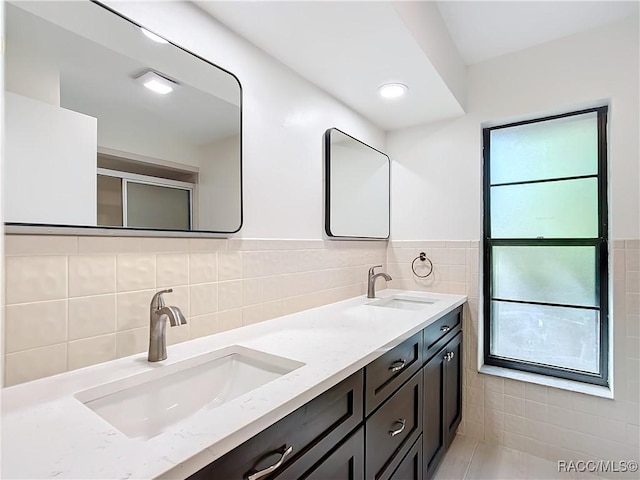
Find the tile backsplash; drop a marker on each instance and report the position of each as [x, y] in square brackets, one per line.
[546, 422]
[72, 301]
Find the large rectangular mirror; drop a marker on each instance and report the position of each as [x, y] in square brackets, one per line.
[357, 179]
[110, 128]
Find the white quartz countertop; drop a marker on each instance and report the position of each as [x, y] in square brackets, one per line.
[48, 433]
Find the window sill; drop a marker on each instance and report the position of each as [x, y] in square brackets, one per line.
[587, 389]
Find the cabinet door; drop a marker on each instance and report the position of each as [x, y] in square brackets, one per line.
[434, 436]
[452, 387]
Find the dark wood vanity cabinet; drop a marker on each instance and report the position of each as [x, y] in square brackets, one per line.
[392, 420]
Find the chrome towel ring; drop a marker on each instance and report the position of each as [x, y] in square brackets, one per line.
[423, 258]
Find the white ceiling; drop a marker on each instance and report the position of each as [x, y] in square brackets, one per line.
[350, 48]
[483, 30]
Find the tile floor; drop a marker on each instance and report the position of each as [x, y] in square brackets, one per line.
[468, 459]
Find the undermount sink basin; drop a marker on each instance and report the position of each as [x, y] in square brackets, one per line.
[147, 403]
[403, 302]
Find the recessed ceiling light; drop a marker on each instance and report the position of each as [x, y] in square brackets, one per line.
[156, 82]
[153, 36]
[393, 90]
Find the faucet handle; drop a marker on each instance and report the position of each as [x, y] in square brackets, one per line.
[157, 301]
[372, 269]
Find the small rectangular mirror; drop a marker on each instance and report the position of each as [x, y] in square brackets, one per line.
[110, 129]
[357, 178]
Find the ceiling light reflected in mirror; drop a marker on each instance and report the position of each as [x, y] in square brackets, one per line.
[156, 83]
[153, 36]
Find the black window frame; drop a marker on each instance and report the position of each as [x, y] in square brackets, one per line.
[600, 243]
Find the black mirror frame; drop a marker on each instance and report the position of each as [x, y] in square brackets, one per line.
[327, 188]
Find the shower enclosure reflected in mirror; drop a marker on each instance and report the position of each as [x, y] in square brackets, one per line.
[110, 129]
[357, 179]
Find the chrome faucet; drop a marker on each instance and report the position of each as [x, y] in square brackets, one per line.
[158, 325]
[371, 281]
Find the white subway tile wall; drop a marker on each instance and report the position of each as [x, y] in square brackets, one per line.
[78, 301]
[546, 422]
[72, 302]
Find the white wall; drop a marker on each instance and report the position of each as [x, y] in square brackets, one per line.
[31, 74]
[127, 135]
[437, 168]
[219, 186]
[425, 23]
[53, 152]
[284, 118]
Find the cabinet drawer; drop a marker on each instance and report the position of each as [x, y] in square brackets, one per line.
[346, 462]
[314, 428]
[392, 430]
[387, 373]
[440, 332]
[411, 466]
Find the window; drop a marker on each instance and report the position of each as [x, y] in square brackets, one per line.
[140, 201]
[545, 246]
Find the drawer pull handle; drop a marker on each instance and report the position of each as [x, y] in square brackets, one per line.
[393, 433]
[272, 468]
[445, 329]
[397, 366]
[449, 356]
